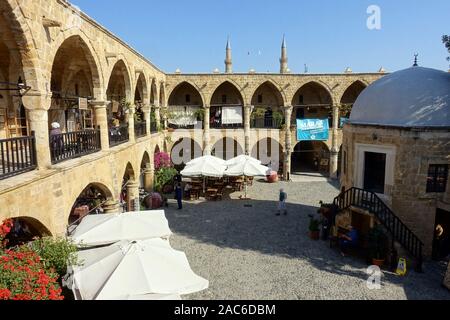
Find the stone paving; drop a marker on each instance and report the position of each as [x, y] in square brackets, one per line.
[246, 252]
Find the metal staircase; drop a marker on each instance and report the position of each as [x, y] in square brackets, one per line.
[369, 201]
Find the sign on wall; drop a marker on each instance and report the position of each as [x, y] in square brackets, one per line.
[312, 129]
[82, 103]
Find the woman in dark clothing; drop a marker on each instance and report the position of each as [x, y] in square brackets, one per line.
[179, 196]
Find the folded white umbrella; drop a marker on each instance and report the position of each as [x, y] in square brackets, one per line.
[131, 269]
[150, 297]
[102, 229]
[205, 168]
[240, 159]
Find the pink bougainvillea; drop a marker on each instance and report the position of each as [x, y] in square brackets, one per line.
[162, 160]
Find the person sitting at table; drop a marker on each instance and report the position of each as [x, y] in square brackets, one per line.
[187, 190]
[348, 240]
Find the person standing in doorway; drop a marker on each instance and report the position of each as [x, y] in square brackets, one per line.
[282, 203]
[179, 196]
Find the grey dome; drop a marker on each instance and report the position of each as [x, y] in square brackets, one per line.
[414, 97]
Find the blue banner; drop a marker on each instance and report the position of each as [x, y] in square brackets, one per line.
[312, 129]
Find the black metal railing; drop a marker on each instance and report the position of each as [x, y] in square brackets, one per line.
[266, 123]
[220, 125]
[17, 156]
[153, 127]
[370, 201]
[140, 129]
[74, 145]
[118, 135]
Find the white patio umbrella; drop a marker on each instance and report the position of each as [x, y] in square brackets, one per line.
[240, 159]
[103, 229]
[206, 159]
[247, 167]
[133, 270]
[204, 169]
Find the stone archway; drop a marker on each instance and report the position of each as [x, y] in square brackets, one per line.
[227, 107]
[91, 199]
[25, 229]
[349, 98]
[185, 106]
[310, 157]
[268, 102]
[270, 152]
[185, 150]
[74, 75]
[312, 101]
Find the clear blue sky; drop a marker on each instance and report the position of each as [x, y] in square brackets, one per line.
[327, 35]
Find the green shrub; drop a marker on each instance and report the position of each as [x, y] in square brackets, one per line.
[163, 176]
[56, 253]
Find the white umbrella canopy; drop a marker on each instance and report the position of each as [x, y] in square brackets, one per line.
[240, 159]
[206, 167]
[134, 270]
[150, 297]
[103, 229]
[211, 159]
[247, 168]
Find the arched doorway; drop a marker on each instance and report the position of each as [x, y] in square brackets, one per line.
[268, 102]
[185, 107]
[140, 102]
[24, 230]
[227, 109]
[310, 157]
[227, 148]
[128, 190]
[74, 78]
[118, 93]
[90, 200]
[270, 152]
[145, 169]
[183, 151]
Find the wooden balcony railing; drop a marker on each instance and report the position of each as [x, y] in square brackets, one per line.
[17, 156]
[74, 145]
[118, 135]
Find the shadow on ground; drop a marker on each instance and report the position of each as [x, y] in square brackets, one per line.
[213, 228]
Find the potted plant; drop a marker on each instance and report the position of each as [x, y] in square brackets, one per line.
[314, 230]
[378, 241]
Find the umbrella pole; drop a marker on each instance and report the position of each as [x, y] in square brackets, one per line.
[245, 187]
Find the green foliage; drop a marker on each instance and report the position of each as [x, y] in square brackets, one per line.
[446, 42]
[163, 176]
[258, 113]
[56, 253]
[378, 243]
[199, 114]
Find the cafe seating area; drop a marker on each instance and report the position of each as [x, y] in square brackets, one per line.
[212, 189]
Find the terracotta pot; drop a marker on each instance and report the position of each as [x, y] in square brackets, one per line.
[314, 235]
[273, 177]
[378, 262]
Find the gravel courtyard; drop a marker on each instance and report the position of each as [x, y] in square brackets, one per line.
[246, 252]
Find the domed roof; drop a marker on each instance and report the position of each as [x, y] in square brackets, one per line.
[414, 97]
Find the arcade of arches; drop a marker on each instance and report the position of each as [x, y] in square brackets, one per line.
[86, 113]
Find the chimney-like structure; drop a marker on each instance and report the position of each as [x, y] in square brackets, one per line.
[284, 59]
[228, 60]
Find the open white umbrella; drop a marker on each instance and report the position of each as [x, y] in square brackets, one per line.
[240, 159]
[210, 159]
[102, 229]
[133, 269]
[248, 167]
[204, 169]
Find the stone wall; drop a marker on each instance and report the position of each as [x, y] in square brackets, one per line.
[415, 151]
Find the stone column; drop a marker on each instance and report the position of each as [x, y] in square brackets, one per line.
[38, 119]
[147, 115]
[247, 131]
[132, 195]
[111, 206]
[288, 143]
[101, 120]
[334, 155]
[158, 116]
[131, 134]
[206, 132]
[149, 173]
[165, 120]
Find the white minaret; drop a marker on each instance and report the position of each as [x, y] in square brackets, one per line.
[228, 60]
[284, 59]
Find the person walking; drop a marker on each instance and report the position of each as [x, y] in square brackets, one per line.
[179, 196]
[282, 203]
